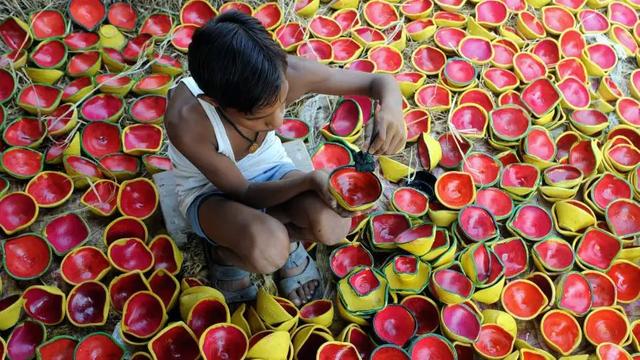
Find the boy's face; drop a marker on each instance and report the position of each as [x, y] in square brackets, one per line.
[266, 118]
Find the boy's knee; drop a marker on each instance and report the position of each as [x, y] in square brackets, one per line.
[329, 227]
[269, 245]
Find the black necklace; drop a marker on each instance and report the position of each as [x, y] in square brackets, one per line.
[253, 143]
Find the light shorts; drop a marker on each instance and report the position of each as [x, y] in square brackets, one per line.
[275, 173]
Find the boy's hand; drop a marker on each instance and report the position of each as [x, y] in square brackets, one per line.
[390, 134]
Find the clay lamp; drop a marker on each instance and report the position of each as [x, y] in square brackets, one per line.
[490, 290]
[347, 257]
[61, 121]
[315, 49]
[531, 222]
[83, 264]
[380, 14]
[166, 286]
[625, 275]
[130, 254]
[520, 180]
[347, 18]
[26, 256]
[100, 138]
[622, 13]
[77, 89]
[39, 99]
[455, 189]
[514, 255]
[143, 305]
[154, 84]
[50, 188]
[293, 129]
[175, 340]
[529, 26]
[572, 217]
[88, 304]
[409, 82]
[442, 244]
[540, 97]
[589, 121]
[564, 143]
[388, 351]
[620, 215]
[494, 342]
[318, 312]
[362, 293]
[24, 339]
[355, 335]
[223, 340]
[475, 224]
[424, 310]
[503, 55]
[156, 163]
[603, 290]
[166, 254]
[335, 350]
[207, 312]
[394, 324]
[122, 287]
[496, 201]
[137, 198]
[599, 59]
[276, 312]
[10, 309]
[417, 240]
[432, 346]
[410, 201]
[509, 124]
[469, 120]
[573, 293]
[609, 90]
[548, 50]
[477, 96]
[120, 166]
[500, 80]
[553, 256]
[324, 28]
[348, 187]
[66, 232]
[460, 322]
[433, 97]
[597, 249]
[368, 37]
[269, 343]
[586, 156]
[476, 49]
[269, 14]
[102, 107]
[625, 108]
[384, 228]
[388, 59]
[523, 299]
[451, 285]
[58, 347]
[45, 304]
[429, 151]
[406, 274]
[98, 343]
[101, 198]
[197, 13]
[606, 325]
[122, 16]
[24, 131]
[21, 162]
[418, 122]
[448, 38]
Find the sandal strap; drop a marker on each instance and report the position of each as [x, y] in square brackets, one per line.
[297, 257]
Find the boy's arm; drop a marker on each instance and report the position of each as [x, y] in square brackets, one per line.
[306, 76]
[197, 145]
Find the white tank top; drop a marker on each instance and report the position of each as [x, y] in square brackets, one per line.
[190, 182]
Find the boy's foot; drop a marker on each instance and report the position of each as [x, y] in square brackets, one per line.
[234, 283]
[299, 277]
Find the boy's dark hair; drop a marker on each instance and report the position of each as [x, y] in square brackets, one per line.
[234, 60]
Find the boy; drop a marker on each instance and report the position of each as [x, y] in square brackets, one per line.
[235, 183]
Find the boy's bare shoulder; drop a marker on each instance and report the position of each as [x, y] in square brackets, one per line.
[184, 116]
